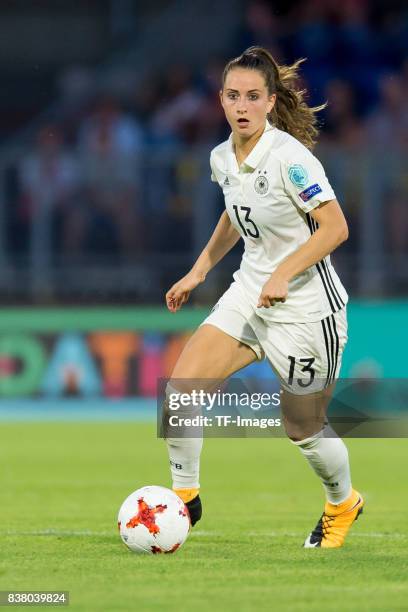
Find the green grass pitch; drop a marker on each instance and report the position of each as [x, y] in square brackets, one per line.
[62, 484]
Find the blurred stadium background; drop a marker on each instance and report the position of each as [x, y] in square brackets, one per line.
[109, 110]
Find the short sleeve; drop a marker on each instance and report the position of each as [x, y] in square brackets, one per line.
[213, 175]
[305, 181]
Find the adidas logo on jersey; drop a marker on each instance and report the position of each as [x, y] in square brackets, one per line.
[226, 182]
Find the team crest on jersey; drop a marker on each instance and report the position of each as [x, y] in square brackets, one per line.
[298, 175]
[261, 185]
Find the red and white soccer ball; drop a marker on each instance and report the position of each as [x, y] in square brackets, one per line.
[153, 520]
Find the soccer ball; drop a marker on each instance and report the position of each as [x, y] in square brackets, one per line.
[153, 520]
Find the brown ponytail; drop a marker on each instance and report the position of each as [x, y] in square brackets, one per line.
[290, 113]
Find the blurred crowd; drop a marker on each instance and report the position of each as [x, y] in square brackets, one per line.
[118, 175]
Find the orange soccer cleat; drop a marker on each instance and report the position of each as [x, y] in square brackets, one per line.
[335, 522]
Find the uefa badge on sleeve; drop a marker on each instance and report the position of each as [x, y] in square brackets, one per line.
[298, 175]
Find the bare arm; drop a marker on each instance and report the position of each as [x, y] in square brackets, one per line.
[224, 237]
[331, 233]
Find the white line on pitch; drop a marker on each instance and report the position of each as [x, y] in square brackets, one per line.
[58, 532]
[275, 534]
[201, 533]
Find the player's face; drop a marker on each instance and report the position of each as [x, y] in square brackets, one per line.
[245, 101]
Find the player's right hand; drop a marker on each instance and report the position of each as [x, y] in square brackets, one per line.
[180, 291]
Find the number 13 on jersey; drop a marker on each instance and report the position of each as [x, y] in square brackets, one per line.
[247, 224]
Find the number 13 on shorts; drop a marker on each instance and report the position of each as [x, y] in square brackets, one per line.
[306, 368]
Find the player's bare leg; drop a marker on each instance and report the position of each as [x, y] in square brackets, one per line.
[304, 417]
[212, 355]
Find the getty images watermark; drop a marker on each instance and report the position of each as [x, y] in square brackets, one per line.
[183, 408]
[214, 408]
[248, 407]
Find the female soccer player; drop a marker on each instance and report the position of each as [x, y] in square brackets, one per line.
[286, 302]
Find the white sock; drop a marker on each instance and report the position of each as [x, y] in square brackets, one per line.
[184, 453]
[328, 457]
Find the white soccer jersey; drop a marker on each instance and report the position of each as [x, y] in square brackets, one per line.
[268, 199]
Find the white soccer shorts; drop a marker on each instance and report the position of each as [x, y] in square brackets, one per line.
[306, 357]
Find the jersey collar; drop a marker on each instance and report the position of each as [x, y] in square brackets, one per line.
[257, 153]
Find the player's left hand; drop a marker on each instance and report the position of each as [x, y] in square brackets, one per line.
[274, 290]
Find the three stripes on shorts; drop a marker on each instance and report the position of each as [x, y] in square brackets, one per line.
[331, 340]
